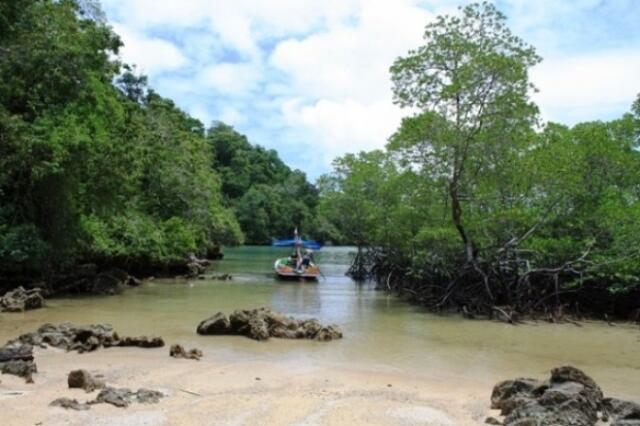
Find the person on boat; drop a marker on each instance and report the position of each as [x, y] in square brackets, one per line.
[307, 258]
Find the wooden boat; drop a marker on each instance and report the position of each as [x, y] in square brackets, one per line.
[285, 267]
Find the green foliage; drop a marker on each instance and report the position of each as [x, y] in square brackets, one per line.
[89, 169]
[470, 188]
[269, 198]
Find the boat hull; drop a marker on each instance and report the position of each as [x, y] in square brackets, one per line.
[284, 269]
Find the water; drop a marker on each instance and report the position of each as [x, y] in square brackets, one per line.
[382, 333]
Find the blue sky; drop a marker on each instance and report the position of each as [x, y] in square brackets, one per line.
[310, 79]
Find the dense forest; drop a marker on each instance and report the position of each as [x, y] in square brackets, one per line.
[97, 167]
[475, 205]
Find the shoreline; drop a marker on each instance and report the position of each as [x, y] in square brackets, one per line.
[211, 391]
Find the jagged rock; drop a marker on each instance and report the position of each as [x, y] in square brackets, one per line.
[114, 396]
[216, 325]
[177, 351]
[571, 374]
[84, 380]
[80, 338]
[260, 324]
[622, 413]
[20, 368]
[510, 394]
[69, 403]
[122, 397]
[20, 300]
[569, 398]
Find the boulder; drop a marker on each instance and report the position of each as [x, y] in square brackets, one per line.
[216, 325]
[84, 380]
[569, 397]
[177, 351]
[148, 396]
[263, 323]
[20, 300]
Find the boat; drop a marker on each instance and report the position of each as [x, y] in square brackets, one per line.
[288, 268]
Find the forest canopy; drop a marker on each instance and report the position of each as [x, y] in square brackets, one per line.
[475, 205]
[96, 166]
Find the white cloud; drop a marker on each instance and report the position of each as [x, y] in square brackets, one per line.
[234, 79]
[304, 73]
[589, 86]
[151, 55]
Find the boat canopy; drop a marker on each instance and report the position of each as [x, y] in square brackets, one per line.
[310, 244]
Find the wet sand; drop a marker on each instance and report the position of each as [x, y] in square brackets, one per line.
[211, 392]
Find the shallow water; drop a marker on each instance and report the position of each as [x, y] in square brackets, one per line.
[382, 333]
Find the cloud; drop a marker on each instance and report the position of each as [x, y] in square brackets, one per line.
[152, 55]
[596, 85]
[234, 79]
[310, 78]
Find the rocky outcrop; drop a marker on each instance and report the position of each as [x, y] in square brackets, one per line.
[177, 351]
[20, 300]
[81, 338]
[84, 380]
[196, 266]
[569, 397]
[263, 323]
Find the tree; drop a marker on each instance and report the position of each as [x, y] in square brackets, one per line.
[470, 80]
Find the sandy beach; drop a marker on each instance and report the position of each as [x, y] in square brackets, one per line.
[209, 392]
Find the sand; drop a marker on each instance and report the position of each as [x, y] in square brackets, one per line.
[247, 392]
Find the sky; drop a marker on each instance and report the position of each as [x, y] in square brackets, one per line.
[310, 79]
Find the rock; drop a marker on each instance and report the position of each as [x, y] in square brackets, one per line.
[195, 266]
[109, 282]
[509, 394]
[142, 342]
[80, 338]
[492, 421]
[571, 374]
[569, 398]
[622, 413]
[69, 403]
[114, 396]
[122, 397]
[20, 300]
[148, 396]
[177, 351]
[20, 368]
[216, 325]
[84, 380]
[262, 323]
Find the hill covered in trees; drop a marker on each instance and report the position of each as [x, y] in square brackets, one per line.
[268, 198]
[96, 166]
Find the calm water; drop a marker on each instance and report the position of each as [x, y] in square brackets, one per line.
[381, 331]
